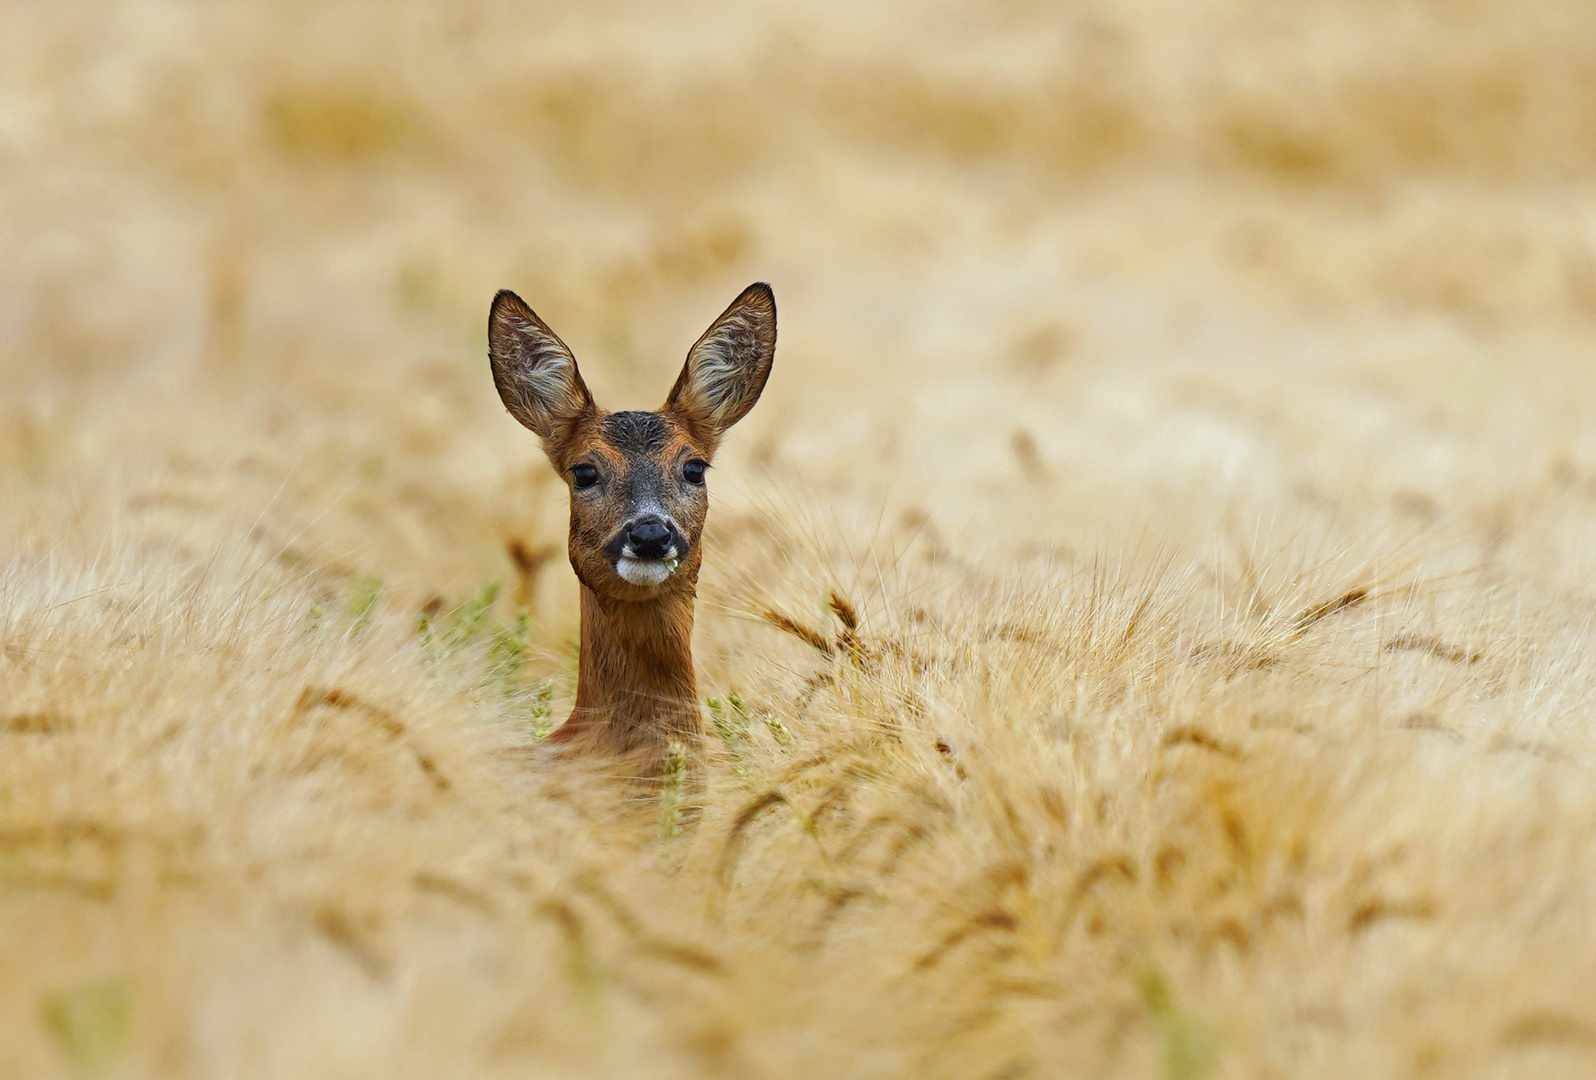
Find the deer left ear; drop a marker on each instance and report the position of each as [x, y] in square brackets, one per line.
[535, 373]
[727, 368]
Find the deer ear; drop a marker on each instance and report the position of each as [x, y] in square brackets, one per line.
[726, 370]
[534, 371]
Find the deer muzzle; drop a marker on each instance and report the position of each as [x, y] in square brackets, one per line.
[649, 551]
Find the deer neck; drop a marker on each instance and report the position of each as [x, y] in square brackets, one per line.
[635, 688]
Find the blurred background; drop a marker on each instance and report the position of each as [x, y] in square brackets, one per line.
[1043, 268]
[1182, 417]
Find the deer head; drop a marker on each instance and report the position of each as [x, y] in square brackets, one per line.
[638, 494]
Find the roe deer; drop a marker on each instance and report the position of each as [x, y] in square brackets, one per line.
[638, 504]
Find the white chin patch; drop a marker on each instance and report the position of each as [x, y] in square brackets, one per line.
[644, 571]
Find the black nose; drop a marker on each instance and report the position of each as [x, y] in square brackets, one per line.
[649, 538]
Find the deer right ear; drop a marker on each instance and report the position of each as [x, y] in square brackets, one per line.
[534, 371]
[727, 368]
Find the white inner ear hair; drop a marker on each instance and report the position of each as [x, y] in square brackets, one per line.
[545, 372]
[724, 360]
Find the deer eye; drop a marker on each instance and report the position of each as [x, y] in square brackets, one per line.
[583, 476]
[693, 471]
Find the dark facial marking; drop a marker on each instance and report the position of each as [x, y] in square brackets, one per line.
[633, 432]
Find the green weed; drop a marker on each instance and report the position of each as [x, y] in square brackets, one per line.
[360, 601]
[89, 1023]
[1189, 1047]
[673, 791]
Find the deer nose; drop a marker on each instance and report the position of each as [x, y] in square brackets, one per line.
[649, 538]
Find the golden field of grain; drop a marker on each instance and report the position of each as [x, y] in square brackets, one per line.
[1148, 625]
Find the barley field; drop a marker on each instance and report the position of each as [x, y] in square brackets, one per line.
[1148, 625]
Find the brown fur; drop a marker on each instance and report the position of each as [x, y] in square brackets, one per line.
[636, 692]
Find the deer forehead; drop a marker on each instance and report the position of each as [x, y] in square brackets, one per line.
[635, 434]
